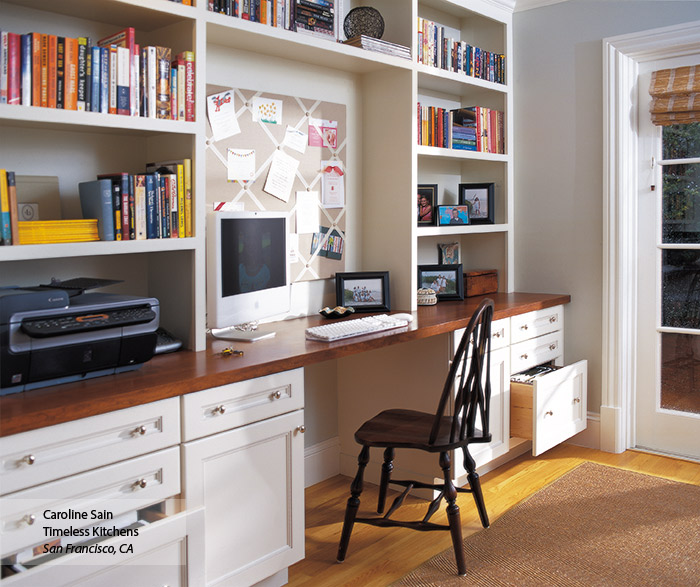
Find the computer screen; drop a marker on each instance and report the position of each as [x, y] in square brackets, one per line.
[247, 275]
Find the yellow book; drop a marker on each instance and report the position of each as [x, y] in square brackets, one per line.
[187, 164]
[38, 232]
[180, 200]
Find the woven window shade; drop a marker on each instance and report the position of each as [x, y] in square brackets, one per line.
[676, 95]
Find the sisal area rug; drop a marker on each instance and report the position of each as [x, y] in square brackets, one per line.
[594, 526]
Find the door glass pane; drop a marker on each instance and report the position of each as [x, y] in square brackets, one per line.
[680, 372]
[680, 289]
[681, 204]
[681, 141]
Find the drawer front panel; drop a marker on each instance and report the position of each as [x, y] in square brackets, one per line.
[500, 335]
[87, 499]
[532, 324]
[536, 351]
[162, 554]
[39, 456]
[237, 404]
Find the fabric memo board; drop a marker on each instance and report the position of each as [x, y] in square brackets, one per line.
[266, 138]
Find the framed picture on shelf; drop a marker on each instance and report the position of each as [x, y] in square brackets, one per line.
[479, 198]
[448, 253]
[445, 280]
[427, 204]
[453, 215]
[365, 291]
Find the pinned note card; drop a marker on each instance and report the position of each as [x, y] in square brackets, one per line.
[222, 115]
[280, 177]
[323, 133]
[241, 164]
[294, 139]
[332, 184]
[267, 110]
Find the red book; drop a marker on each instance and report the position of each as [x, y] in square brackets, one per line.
[36, 69]
[188, 57]
[13, 69]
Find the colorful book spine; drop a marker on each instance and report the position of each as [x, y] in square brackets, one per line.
[36, 69]
[5, 230]
[141, 221]
[123, 81]
[181, 77]
[3, 66]
[14, 211]
[71, 77]
[187, 174]
[52, 80]
[104, 80]
[60, 71]
[188, 57]
[95, 72]
[181, 231]
[81, 97]
[14, 54]
[163, 83]
[96, 201]
[25, 42]
[173, 93]
[44, 71]
[113, 65]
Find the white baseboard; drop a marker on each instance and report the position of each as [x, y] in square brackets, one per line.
[590, 437]
[321, 461]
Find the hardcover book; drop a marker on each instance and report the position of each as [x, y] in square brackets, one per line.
[96, 202]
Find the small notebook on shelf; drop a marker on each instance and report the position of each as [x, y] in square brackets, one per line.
[379, 46]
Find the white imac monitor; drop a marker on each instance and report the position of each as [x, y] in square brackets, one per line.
[247, 273]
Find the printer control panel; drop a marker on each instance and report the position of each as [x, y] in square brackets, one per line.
[56, 325]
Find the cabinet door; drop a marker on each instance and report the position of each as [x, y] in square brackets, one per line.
[250, 481]
[499, 415]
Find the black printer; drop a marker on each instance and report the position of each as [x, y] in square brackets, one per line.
[49, 335]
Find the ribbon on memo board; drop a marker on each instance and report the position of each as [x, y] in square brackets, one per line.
[276, 128]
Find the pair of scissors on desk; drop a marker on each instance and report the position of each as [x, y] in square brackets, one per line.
[231, 352]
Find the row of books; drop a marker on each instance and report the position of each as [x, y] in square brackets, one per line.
[150, 205]
[115, 76]
[437, 50]
[469, 129]
[317, 17]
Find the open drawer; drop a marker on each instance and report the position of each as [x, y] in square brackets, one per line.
[548, 404]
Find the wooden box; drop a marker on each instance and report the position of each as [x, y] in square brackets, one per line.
[480, 281]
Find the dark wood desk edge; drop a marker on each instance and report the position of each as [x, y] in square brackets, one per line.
[185, 372]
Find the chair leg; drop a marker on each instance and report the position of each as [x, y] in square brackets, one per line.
[453, 516]
[387, 468]
[475, 485]
[353, 504]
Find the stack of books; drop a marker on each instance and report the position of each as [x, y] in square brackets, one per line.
[112, 76]
[40, 232]
[463, 135]
[317, 17]
[380, 46]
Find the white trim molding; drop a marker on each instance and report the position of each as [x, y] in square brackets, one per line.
[321, 461]
[621, 59]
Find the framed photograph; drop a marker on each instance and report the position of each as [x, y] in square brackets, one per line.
[453, 215]
[479, 198]
[448, 253]
[445, 280]
[366, 291]
[427, 204]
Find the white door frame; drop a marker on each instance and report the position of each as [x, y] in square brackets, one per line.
[621, 58]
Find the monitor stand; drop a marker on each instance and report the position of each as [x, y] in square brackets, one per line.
[241, 335]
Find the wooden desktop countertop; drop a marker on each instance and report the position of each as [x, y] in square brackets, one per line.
[183, 372]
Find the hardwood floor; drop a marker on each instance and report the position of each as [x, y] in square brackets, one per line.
[378, 556]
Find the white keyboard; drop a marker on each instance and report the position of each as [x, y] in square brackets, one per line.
[355, 327]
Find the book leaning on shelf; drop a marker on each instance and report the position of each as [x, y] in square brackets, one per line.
[9, 229]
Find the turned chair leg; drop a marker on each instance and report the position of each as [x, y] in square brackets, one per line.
[475, 485]
[453, 516]
[387, 468]
[353, 503]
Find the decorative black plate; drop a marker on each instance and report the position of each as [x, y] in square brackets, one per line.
[337, 312]
[364, 20]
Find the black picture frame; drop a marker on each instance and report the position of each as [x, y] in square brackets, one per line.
[428, 191]
[479, 198]
[429, 276]
[453, 215]
[364, 291]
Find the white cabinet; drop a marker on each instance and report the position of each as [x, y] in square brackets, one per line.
[249, 479]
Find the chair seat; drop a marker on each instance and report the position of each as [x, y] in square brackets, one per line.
[411, 429]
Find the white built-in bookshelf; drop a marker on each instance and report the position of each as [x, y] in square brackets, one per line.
[384, 162]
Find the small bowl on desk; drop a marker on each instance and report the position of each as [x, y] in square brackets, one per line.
[337, 312]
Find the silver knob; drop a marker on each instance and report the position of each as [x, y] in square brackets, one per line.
[140, 483]
[552, 346]
[140, 431]
[552, 319]
[301, 429]
[278, 394]
[524, 327]
[497, 335]
[220, 409]
[29, 519]
[29, 459]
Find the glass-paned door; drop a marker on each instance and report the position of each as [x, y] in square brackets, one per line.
[668, 284]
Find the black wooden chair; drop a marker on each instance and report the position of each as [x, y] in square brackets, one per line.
[436, 433]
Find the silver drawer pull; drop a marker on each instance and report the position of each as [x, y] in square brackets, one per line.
[552, 319]
[497, 335]
[523, 356]
[552, 346]
[549, 413]
[301, 429]
[29, 519]
[524, 327]
[220, 410]
[140, 484]
[29, 460]
[277, 395]
[140, 431]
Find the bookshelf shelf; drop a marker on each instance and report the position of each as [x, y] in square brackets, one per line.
[462, 230]
[458, 155]
[458, 84]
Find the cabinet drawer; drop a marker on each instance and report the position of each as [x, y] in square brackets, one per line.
[237, 404]
[551, 408]
[537, 323]
[169, 552]
[87, 499]
[500, 335]
[38, 456]
[536, 351]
